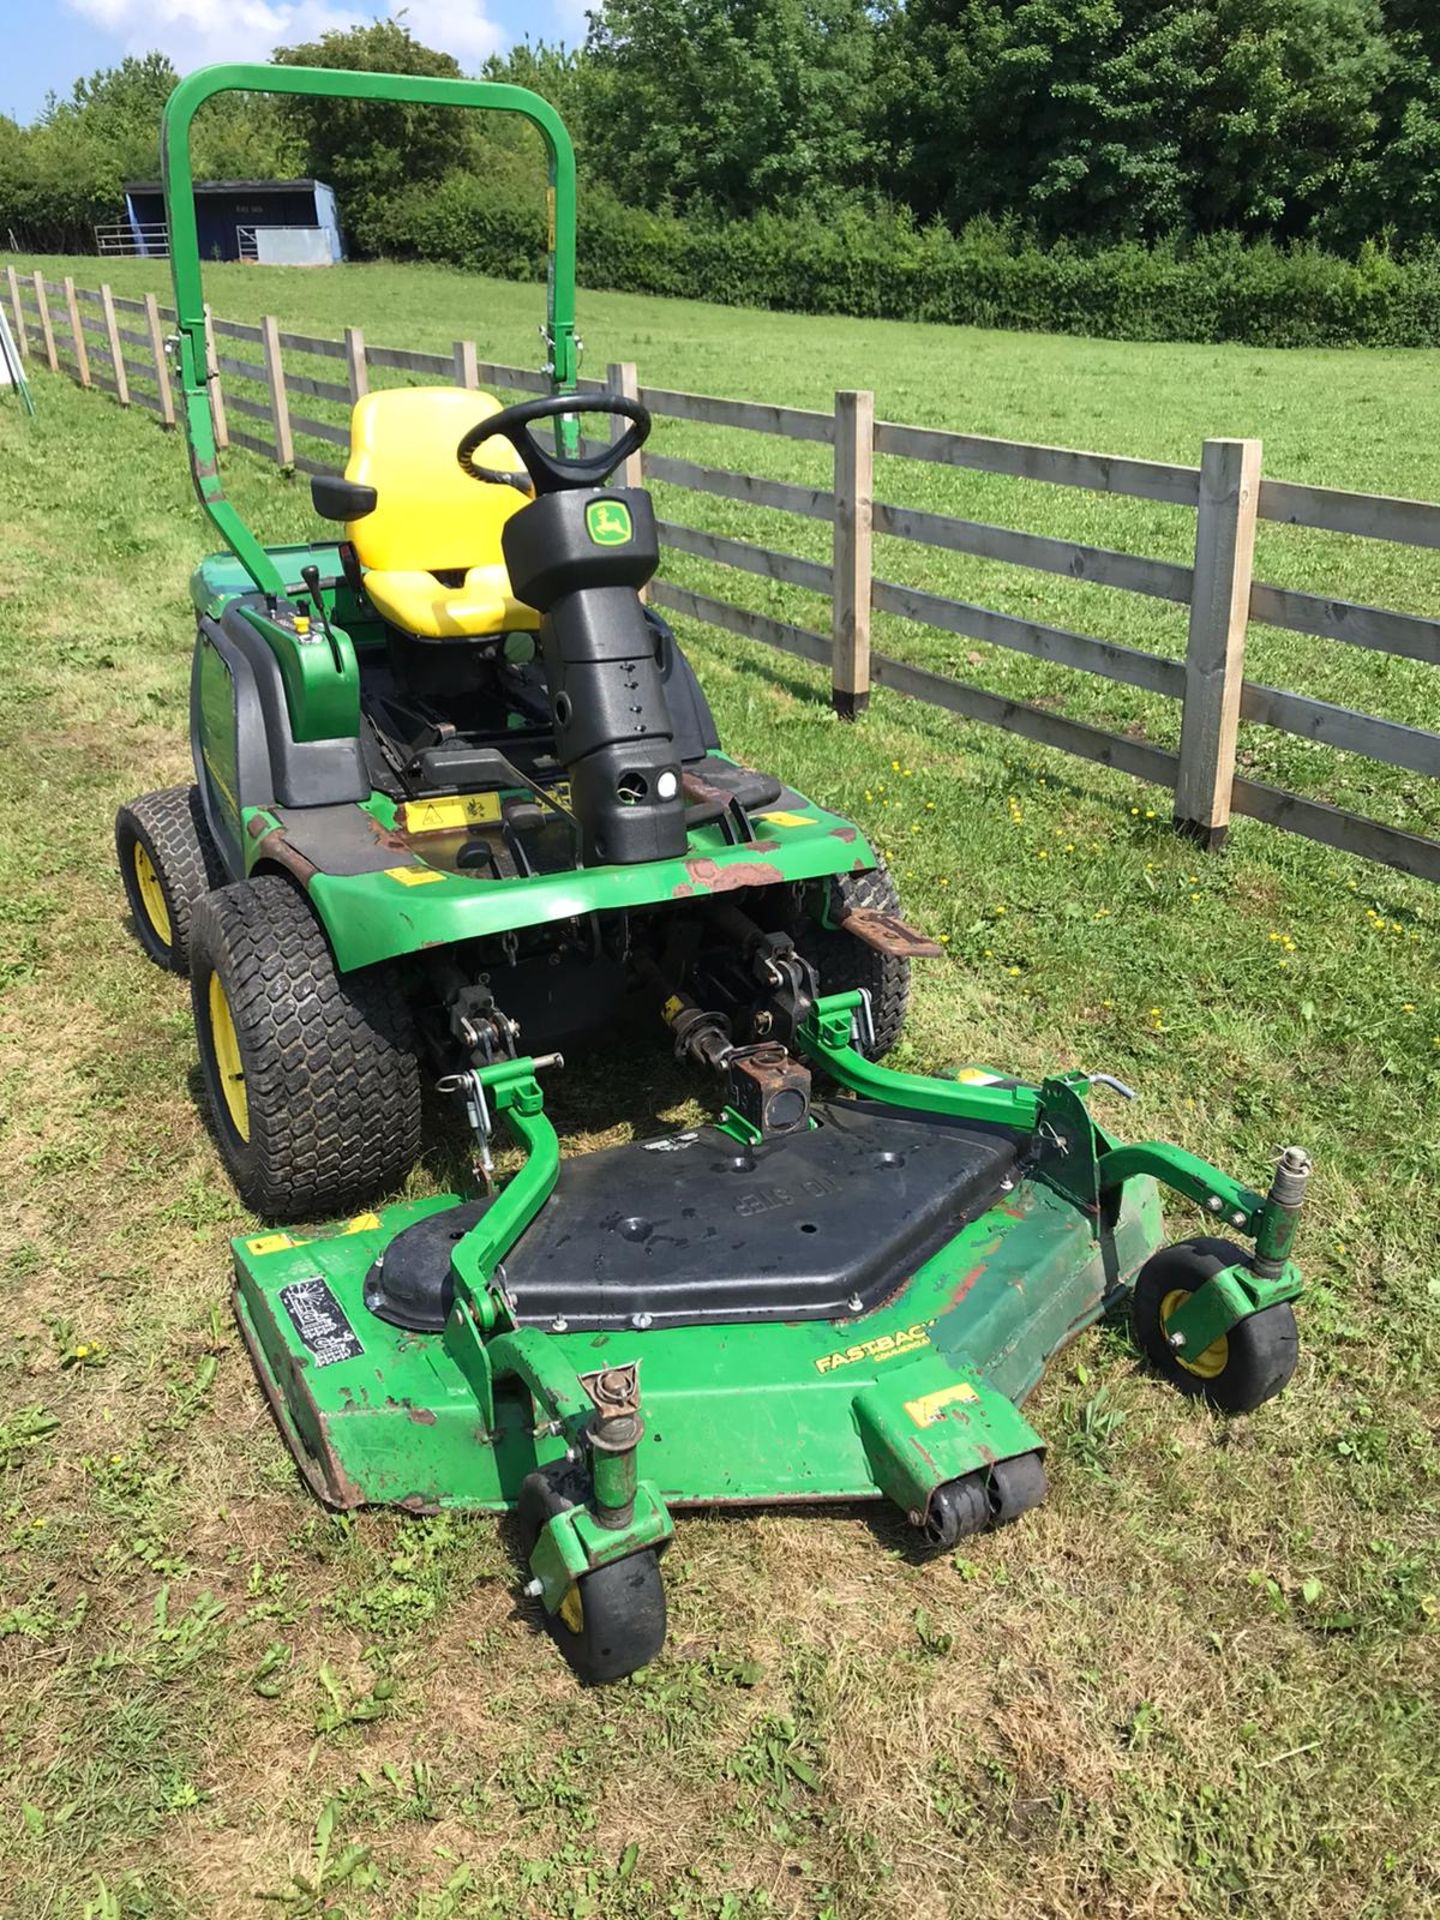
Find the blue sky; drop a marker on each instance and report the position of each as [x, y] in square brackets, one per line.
[46, 45]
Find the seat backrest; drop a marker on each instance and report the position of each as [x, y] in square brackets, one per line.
[429, 516]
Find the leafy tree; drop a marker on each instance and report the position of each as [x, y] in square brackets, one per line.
[367, 149]
[741, 104]
[1102, 119]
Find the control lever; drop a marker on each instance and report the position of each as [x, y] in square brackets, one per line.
[311, 576]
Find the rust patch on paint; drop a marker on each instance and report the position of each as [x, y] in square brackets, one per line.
[422, 1416]
[276, 847]
[391, 838]
[966, 1284]
[847, 834]
[710, 876]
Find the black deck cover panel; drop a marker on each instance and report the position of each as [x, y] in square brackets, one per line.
[695, 1227]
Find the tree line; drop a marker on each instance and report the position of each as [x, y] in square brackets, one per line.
[810, 152]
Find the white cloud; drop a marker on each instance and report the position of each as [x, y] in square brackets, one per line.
[571, 19]
[195, 32]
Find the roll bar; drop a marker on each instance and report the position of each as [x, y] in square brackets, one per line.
[335, 84]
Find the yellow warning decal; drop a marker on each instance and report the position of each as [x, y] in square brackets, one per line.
[414, 876]
[930, 1407]
[671, 1007]
[571, 1611]
[457, 810]
[977, 1077]
[886, 1346]
[362, 1223]
[272, 1243]
[789, 819]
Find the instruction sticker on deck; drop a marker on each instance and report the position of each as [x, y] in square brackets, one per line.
[931, 1407]
[320, 1321]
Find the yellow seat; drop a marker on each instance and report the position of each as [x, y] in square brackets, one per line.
[430, 519]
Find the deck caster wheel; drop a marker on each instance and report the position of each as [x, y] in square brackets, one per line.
[957, 1508]
[1016, 1485]
[1243, 1368]
[612, 1621]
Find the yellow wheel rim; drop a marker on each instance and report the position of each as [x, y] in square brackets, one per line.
[228, 1065]
[152, 894]
[1214, 1360]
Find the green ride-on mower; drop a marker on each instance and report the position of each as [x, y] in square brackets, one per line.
[459, 802]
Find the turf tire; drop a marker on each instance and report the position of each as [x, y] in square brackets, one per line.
[330, 1074]
[1260, 1353]
[169, 829]
[846, 964]
[622, 1606]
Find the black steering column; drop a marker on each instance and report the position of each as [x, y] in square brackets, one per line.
[578, 554]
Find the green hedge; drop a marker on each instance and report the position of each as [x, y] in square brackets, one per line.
[881, 265]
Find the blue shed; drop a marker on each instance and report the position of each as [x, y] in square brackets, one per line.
[283, 221]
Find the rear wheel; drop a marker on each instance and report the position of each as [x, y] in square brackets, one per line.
[168, 863]
[311, 1074]
[612, 1620]
[846, 964]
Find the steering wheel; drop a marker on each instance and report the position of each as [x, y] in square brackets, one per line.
[552, 472]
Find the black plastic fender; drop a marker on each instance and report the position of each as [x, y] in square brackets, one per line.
[244, 751]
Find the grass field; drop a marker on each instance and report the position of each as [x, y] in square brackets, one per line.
[1202, 1683]
[1367, 421]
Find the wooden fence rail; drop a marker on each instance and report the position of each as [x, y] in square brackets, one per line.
[1226, 491]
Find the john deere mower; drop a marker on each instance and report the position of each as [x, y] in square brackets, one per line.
[460, 803]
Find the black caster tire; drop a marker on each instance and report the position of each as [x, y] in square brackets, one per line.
[168, 862]
[958, 1509]
[1017, 1485]
[311, 1075]
[845, 964]
[612, 1622]
[1241, 1370]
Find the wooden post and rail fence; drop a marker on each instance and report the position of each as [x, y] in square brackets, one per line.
[65, 325]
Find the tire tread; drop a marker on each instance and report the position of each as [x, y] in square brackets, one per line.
[330, 1064]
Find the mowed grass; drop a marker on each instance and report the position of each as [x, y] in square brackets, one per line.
[1203, 1682]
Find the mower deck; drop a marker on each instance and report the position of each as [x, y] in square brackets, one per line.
[757, 1411]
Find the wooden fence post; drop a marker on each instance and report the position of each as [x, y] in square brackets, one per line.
[82, 358]
[279, 399]
[47, 331]
[162, 365]
[621, 377]
[850, 592]
[1215, 650]
[22, 338]
[356, 370]
[117, 356]
[212, 382]
[467, 371]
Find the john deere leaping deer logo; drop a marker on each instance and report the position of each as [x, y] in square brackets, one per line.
[608, 523]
